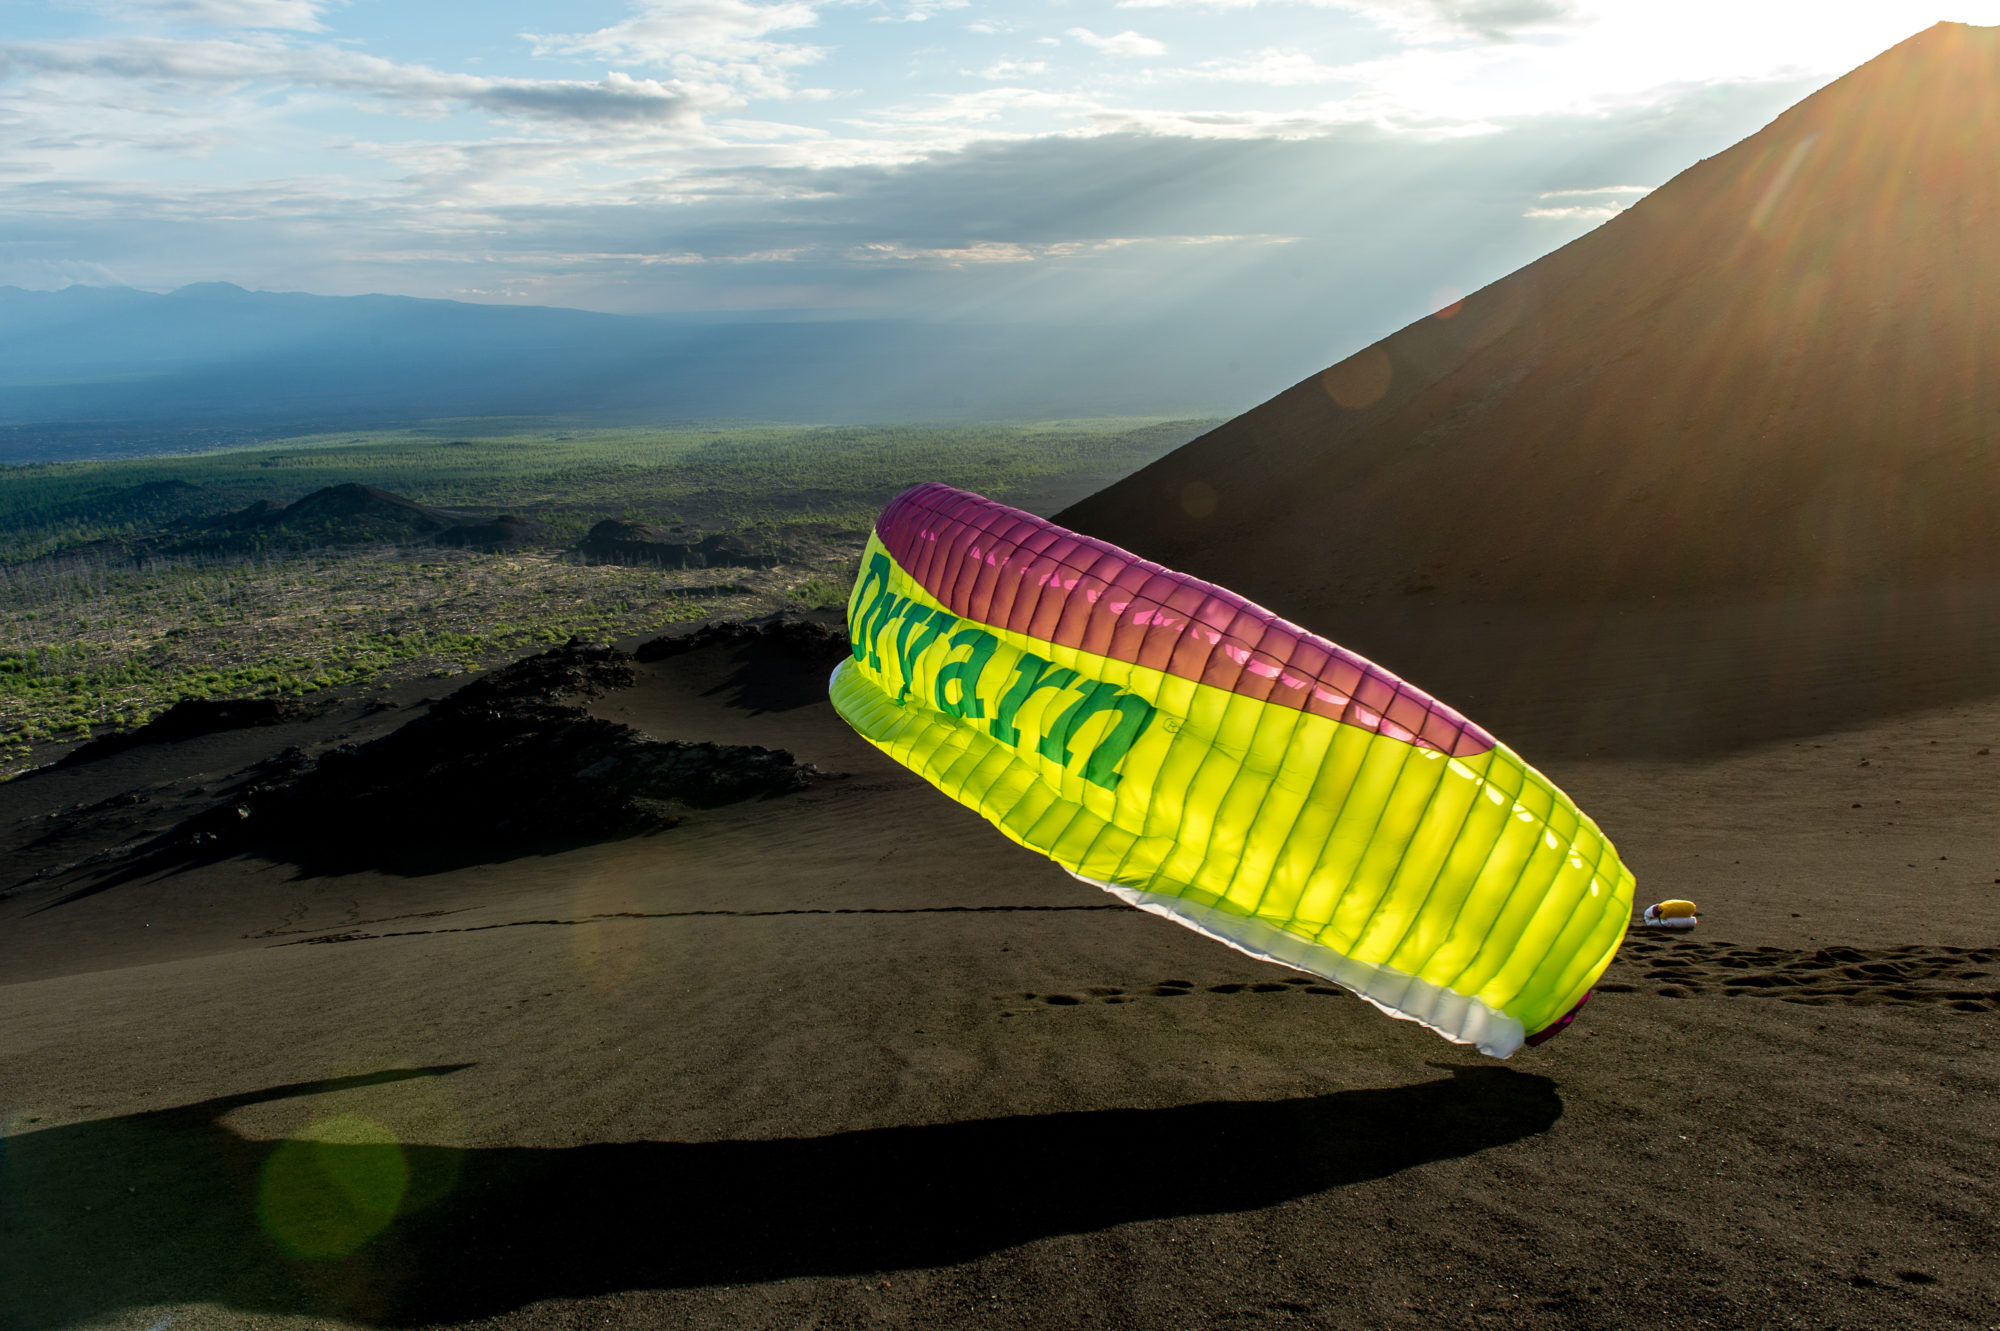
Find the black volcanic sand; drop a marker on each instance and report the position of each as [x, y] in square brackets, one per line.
[847, 1057]
[1721, 472]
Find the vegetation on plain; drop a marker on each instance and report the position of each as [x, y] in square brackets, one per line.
[114, 605]
[721, 478]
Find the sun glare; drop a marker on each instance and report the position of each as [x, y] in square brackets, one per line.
[1618, 53]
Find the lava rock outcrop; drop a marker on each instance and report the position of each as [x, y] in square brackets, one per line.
[803, 639]
[506, 532]
[617, 541]
[191, 718]
[511, 763]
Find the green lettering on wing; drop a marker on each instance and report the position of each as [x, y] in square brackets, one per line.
[966, 679]
[868, 594]
[1134, 715]
[912, 644]
[965, 674]
[888, 609]
[1031, 675]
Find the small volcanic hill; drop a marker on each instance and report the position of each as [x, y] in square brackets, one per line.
[506, 532]
[354, 514]
[618, 541]
[1775, 380]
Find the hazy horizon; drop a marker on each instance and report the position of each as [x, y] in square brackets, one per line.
[1327, 170]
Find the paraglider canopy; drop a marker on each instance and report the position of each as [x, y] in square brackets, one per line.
[1200, 757]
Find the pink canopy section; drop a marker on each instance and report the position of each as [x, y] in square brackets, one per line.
[997, 565]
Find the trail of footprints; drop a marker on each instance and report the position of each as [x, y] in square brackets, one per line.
[1960, 978]
[1103, 993]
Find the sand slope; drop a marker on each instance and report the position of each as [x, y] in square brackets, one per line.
[847, 1058]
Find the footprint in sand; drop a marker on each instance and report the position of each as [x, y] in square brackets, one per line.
[1298, 984]
[1960, 979]
[1957, 978]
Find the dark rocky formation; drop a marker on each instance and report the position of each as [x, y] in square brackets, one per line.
[803, 639]
[351, 514]
[510, 764]
[259, 514]
[620, 542]
[358, 510]
[779, 664]
[506, 532]
[194, 717]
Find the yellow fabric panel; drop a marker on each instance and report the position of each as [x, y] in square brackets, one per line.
[1340, 849]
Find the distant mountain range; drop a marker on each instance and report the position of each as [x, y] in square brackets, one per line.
[103, 363]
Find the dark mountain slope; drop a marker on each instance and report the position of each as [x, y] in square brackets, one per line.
[1781, 371]
[1722, 470]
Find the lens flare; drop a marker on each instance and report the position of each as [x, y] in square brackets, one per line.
[1360, 380]
[609, 948]
[1198, 499]
[330, 1188]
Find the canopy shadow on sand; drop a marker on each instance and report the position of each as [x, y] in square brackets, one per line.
[159, 1208]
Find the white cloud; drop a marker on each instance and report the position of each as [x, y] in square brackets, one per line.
[1306, 124]
[1011, 69]
[969, 115]
[980, 252]
[1479, 62]
[1419, 20]
[1490, 20]
[1634, 190]
[663, 31]
[1271, 68]
[1124, 43]
[292, 15]
[1576, 212]
[1009, 251]
[1595, 204]
[919, 11]
[712, 43]
[164, 64]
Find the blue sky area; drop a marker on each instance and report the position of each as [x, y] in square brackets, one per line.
[1319, 170]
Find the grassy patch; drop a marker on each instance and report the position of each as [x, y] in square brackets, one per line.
[95, 647]
[95, 633]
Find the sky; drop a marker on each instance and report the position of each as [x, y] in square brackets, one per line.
[1318, 169]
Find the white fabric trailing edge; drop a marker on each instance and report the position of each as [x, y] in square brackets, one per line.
[1459, 1018]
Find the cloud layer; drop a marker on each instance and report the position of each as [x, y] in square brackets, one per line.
[1306, 172]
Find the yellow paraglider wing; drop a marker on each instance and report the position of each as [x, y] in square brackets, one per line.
[1201, 758]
